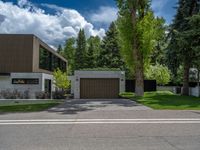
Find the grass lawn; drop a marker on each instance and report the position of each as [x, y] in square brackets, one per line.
[166, 100]
[26, 105]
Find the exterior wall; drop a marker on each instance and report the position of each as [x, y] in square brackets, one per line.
[192, 91]
[32, 88]
[195, 92]
[20, 53]
[72, 80]
[97, 74]
[5, 82]
[16, 53]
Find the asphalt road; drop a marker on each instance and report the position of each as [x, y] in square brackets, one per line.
[100, 125]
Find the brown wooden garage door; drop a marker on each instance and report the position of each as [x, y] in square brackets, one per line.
[99, 88]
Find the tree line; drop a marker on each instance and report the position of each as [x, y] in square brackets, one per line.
[93, 52]
[142, 44]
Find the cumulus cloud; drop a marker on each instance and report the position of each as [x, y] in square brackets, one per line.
[104, 15]
[54, 29]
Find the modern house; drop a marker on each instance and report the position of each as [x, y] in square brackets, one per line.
[27, 63]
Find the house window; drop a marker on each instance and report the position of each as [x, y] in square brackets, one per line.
[50, 62]
[25, 81]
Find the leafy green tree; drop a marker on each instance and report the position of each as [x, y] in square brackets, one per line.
[185, 35]
[61, 80]
[69, 53]
[159, 53]
[138, 31]
[110, 56]
[80, 53]
[159, 73]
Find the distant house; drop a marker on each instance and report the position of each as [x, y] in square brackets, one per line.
[27, 63]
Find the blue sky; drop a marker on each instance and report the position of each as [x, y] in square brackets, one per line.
[56, 20]
[163, 8]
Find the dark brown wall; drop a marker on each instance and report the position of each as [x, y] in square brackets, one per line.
[20, 53]
[16, 53]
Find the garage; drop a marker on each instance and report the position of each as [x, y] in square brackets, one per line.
[99, 88]
[97, 84]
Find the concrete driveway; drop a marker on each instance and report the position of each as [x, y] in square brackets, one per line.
[80, 105]
[100, 124]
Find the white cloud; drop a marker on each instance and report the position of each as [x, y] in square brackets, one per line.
[104, 15]
[52, 28]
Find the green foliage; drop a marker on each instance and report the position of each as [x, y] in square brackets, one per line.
[90, 58]
[146, 32]
[69, 53]
[149, 30]
[138, 32]
[110, 52]
[159, 73]
[158, 55]
[61, 79]
[127, 95]
[184, 36]
[80, 53]
[96, 43]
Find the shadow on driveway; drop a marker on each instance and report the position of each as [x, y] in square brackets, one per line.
[75, 106]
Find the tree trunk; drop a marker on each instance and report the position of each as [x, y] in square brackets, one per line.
[137, 57]
[139, 74]
[185, 90]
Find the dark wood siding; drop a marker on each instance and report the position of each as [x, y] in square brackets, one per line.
[99, 88]
[16, 53]
[20, 53]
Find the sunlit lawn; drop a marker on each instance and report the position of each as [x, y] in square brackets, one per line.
[166, 100]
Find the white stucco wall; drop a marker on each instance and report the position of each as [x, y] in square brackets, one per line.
[97, 74]
[6, 82]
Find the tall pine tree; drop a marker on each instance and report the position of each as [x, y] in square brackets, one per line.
[110, 52]
[59, 50]
[184, 34]
[69, 53]
[96, 44]
[90, 59]
[80, 53]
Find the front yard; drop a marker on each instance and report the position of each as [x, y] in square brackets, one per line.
[165, 100]
[26, 105]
